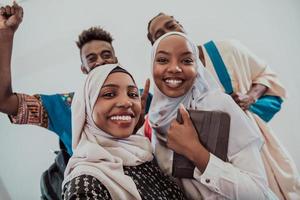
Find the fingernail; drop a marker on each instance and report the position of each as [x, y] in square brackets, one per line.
[181, 106]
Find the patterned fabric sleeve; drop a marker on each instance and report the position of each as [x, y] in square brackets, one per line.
[30, 111]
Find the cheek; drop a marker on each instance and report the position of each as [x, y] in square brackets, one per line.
[191, 72]
[138, 108]
[192, 75]
[157, 73]
[98, 116]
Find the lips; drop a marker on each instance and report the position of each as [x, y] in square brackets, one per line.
[123, 119]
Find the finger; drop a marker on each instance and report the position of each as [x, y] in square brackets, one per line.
[20, 12]
[7, 10]
[184, 114]
[243, 103]
[236, 99]
[145, 94]
[2, 11]
[146, 89]
[173, 123]
[15, 4]
[18, 9]
[12, 10]
[233, 95]
[243, 106]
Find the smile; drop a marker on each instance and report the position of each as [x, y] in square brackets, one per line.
[121, 118]
[173, 82]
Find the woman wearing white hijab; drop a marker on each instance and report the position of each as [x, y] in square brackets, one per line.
[109, 162]
[180, 79]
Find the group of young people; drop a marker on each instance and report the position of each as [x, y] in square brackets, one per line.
[101, 124]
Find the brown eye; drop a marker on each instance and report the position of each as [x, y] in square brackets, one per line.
[188, 61]
[162, 60]
[92, 59]
[109, 94]
[133, 94]
[107, 55]
[172, 26]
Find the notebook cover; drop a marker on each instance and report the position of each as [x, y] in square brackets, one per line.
[213, 131]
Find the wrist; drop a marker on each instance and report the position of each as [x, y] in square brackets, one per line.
[6, 35]
[199, 156]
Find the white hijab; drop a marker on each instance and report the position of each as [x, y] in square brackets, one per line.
[205, 94]
[96, 152]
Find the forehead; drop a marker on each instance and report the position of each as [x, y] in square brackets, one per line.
[120, 79]
[174, 43]
[159, 22]
[96, 46]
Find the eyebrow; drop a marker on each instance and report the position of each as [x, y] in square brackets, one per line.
[106, 51]
[117, 86]
[187, 53]
[165, 52]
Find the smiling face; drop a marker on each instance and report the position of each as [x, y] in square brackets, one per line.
[118, 106]
[174, 67]
[96, 53]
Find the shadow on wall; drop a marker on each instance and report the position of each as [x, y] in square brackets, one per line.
[3, 192]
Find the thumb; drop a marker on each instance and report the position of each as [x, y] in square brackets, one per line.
[184, 114]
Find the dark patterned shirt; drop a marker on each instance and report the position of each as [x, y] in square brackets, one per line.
[151, 183]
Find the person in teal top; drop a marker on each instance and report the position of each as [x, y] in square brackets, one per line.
[51, 111]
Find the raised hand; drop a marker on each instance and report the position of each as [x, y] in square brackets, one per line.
[11, 17]
[144, 103]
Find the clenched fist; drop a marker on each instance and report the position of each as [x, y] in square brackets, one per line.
[11, 17]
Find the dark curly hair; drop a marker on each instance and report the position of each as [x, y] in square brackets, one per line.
[93, 33]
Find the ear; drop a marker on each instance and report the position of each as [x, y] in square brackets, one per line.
[116, 59]
[83, 69]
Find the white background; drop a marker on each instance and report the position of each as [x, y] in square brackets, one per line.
[46, 60]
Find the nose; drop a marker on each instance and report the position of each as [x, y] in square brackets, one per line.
[124, 103]
[174, 68]
[100, 61]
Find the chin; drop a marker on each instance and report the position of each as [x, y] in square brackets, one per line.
[173, 94]
[122, 133]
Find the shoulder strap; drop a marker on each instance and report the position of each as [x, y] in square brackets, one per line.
[219, 66]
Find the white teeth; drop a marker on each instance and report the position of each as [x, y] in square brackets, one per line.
[121, 117]
[173, 81]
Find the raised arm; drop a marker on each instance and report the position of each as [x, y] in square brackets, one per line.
[10, 19]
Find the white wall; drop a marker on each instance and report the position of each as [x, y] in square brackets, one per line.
[46, 60]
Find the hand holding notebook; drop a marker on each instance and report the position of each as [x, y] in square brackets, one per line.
[213, 132]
